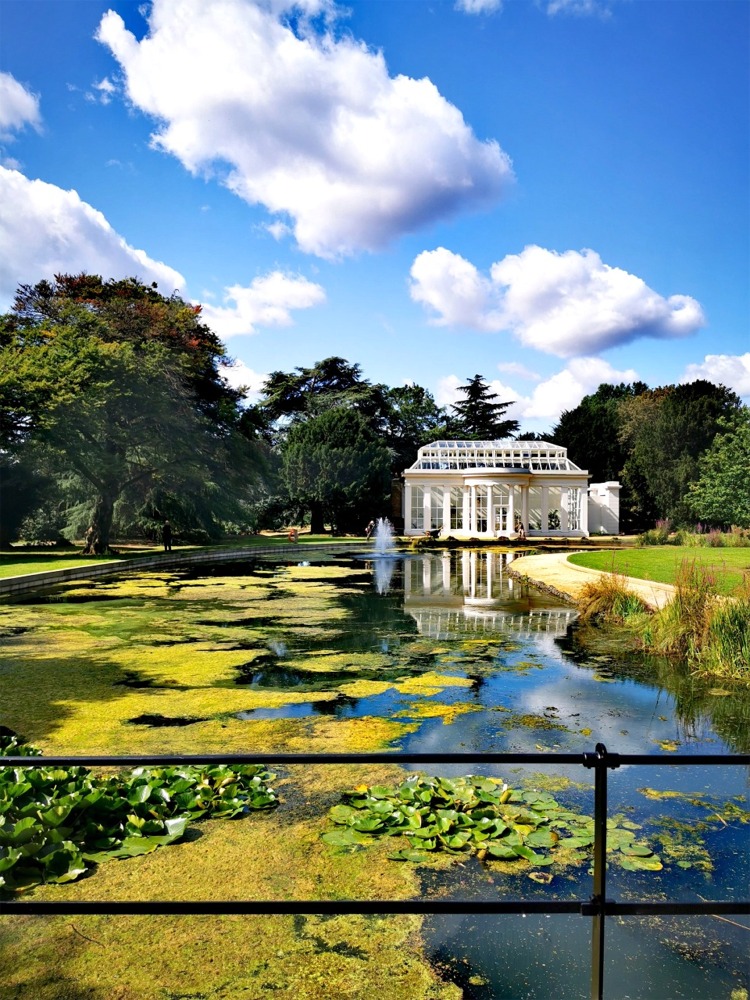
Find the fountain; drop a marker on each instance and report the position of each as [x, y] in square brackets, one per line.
[383, 537]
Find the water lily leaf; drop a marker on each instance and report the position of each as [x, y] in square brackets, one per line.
[635, 864]
[368, 825]
[542, 838]
[380, 792]
[21, 832]
[8, 857]
[342, 814]
[637, 850]
[501, 851]
[339, 838]
[407, 855]
[425, 844]
[528, 854]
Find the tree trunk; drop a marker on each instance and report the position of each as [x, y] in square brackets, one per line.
[317, 525]
[97, 537]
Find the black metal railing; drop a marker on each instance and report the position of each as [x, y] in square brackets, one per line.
[598, 906]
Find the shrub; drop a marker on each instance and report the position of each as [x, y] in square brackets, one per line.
[608, 599]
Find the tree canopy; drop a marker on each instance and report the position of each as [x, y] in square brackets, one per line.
[116, 389]
[665, 431]
[721, 494]
[478, 416]
[336, 466]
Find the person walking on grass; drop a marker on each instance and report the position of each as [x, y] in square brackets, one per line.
[166, 536]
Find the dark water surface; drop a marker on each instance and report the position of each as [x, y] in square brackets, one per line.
[536, 686]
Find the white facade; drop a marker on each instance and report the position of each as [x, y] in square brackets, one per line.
[492, 489]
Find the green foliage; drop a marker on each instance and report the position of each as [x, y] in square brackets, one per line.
[608, 599]
[116, 391]
[413, 419]
[591, 433]
[478, 416]
[337, 462]
[329, 384]
[665, 431]
[56, 823]
[721, 494]
[476, 815]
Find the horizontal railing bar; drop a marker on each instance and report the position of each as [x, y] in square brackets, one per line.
[337, 906]
[612, 908]
[425, 907]
[581, 759]
[653, 760]
[294, 758]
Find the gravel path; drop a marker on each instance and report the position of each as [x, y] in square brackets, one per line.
[556, 574]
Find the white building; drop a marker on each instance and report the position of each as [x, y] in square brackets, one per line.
[491, 489]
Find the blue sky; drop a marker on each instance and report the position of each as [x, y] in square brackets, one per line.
[551, 193]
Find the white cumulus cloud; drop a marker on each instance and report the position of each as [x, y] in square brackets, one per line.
[731, 370]
[479, 6]
[566, 389]
[267, 301]
[239, 375]
[305, 122]
[579, 8]
[567, 304]
[18, 106]
[45, 230]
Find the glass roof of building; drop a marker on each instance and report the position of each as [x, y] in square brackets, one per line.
[538, 456]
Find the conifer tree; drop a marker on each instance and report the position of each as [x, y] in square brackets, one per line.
[478, 415]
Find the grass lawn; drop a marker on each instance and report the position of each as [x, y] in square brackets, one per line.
[20, 562]
[662, 563]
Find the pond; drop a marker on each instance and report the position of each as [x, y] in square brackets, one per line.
[435, 652]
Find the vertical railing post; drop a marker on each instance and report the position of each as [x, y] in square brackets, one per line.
[599, 762]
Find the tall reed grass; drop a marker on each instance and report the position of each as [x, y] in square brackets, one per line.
[662, 534]
[708, 631]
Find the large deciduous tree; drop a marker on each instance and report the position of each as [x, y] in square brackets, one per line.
[591, 432]
[413, 419]
[721, 494]
[665, 431]
[337, 467]
[118, 386]
[477, 415]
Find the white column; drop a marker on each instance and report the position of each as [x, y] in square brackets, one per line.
[407, 506]
[525, 508]
[564, 498]
[545, 508]
[584, 519]
[490, 509]
[473, 509]
[427, 506]
[466, 511]
[511, 510]
[446, 510]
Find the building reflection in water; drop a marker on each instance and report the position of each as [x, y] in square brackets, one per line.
[452, 593]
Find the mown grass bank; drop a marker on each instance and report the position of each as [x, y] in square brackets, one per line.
[727, 567]
[19, 562]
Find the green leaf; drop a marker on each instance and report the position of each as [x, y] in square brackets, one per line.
[637, 850]
[501, 851]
